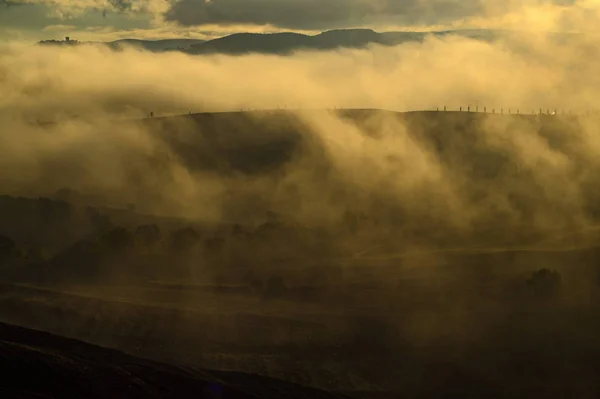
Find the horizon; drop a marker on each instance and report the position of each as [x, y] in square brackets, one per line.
[94, 20]
[313, 34]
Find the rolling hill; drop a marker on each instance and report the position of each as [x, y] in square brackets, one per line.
[388, 302]
[288, 42]
[283, 42]
[61, 367]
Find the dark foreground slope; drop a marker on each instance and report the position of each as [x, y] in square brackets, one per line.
[35, 364]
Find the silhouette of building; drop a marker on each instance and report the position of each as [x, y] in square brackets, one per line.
[68, 42]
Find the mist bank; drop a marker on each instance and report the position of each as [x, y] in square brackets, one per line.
[458, 172]
[358, 177]
[525, 72]
[449, 174]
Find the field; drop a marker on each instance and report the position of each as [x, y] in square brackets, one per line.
[443, 263]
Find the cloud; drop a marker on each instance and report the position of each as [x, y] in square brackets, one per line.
[74, 8]
[292, 14]
[59, 28]
[232, 16]
[312, 14]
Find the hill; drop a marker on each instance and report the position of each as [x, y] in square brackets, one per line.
[283, 42]
[56, 367]
[388, 299]
[288, 42]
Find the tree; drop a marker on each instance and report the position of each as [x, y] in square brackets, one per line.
[67, 195]
[214, 244]
[117, 240]
[51, 211]
[545, 283]
[184, 239]
[99, 223]
[147, 234]
[8, 248]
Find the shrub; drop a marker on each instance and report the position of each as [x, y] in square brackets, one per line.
[184, 239]
[148, 234]
[117, 239]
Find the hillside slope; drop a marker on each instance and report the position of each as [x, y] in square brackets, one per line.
[63, 367]
[288, 42]
[283, 42]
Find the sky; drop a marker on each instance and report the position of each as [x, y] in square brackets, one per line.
[111, 19]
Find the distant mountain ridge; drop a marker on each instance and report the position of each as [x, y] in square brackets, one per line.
[288, 42]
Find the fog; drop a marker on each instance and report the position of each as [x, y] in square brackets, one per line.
[514, 73]
[373, 196]
[93, 97]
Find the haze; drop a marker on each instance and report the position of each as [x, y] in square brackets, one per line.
[433, 201]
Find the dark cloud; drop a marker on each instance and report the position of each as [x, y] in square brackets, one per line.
[323, 14]
[295, 14]
[74, 7]
[316, 14]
